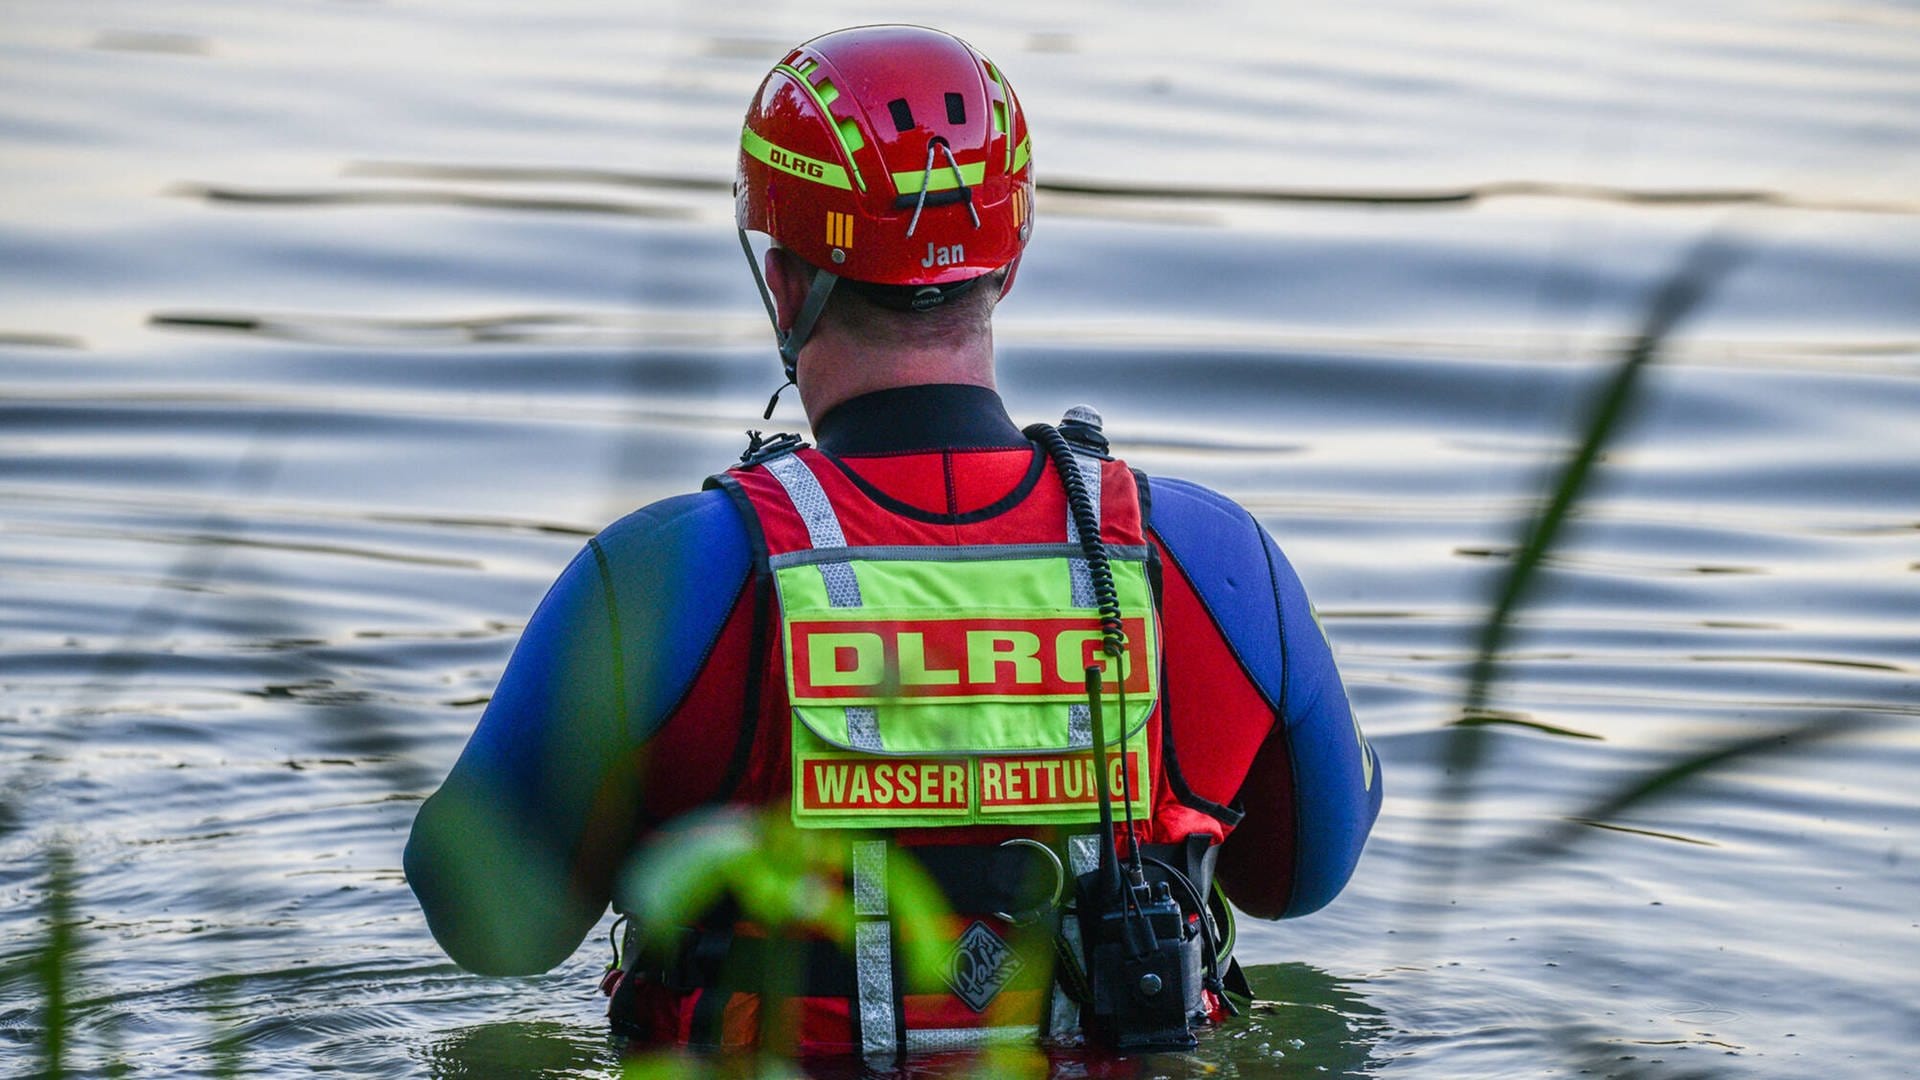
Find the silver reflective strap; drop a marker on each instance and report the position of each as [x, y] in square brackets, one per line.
[872, 947]
[863, 728]
[1077, 567]
[1082, 578]
[873, 971]
[1079, 727]
[1079, 719]
[1083, 856]
[843, 588]
[934, 1040]
[1065, 1012]
[870, 877]
[1089, 476]
[823, 526]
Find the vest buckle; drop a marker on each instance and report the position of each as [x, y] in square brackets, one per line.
[764, 448]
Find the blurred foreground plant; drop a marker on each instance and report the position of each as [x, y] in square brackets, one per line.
[792, 882]
[786, 879]
[52, 965]
[1699, 273]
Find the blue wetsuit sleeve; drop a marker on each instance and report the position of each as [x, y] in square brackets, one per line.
[1336, 774]
[1260, 606]
[512, 859]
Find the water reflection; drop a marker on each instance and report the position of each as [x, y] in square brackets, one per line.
[1305, 1022]
[538, 1050]
[217, 193]
[152, 42]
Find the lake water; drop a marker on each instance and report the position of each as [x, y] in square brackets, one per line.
[329, 331]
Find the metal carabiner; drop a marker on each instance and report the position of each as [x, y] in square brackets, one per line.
[1059, 883]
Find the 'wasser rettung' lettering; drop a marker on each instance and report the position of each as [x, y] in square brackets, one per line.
[1043, 658]
[857, 783]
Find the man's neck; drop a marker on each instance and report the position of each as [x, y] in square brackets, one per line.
[834, 369]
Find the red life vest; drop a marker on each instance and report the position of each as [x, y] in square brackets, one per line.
[865, 675]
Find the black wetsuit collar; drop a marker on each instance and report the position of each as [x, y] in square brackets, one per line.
[936, 416]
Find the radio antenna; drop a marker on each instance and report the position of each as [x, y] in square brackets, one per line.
[1109, 863]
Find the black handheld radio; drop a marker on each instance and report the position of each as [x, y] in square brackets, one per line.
[1143, 960]
[1143, 957]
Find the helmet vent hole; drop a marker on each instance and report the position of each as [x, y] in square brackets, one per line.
[956, 109]
[902, 115]
[850, 134]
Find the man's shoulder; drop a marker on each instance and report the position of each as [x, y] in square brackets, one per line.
[1235, 570]
[1193, 520]
[702, 524]
[707, 514]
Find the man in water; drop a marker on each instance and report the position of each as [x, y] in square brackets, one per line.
[887, 641]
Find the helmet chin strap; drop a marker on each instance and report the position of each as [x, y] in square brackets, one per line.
[790, 341]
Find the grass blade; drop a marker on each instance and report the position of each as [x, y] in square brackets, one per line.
[1677, 776]
[1699, 272]
[53, 965]
[1705, 264]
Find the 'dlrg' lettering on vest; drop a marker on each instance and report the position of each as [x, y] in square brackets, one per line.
[990, 658]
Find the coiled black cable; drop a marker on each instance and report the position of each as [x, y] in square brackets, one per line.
[1087, 524]
[1112, 630]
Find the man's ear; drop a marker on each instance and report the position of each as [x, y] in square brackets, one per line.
[788, 279]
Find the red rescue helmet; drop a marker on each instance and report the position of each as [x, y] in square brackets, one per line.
[888, 155]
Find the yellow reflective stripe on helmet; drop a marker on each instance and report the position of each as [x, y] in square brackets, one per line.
[908, 183]
[850, 134]
[788, 161]
[823, 101]
[1003, 112]
[1020, 155]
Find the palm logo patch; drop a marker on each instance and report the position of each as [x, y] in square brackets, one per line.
[980, 965]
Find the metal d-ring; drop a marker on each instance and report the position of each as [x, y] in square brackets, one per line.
[1059, 883]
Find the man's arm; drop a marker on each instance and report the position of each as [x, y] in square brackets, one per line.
[1316, 757]
[1312, 788]
[513, 858]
